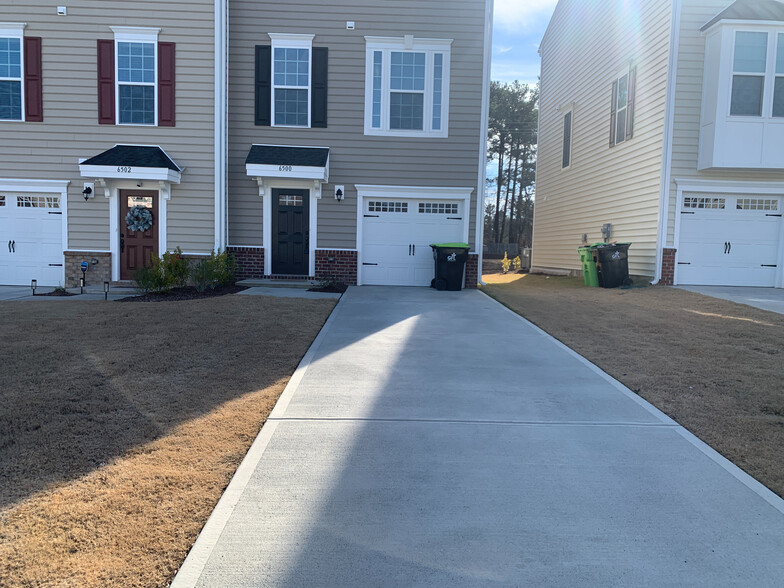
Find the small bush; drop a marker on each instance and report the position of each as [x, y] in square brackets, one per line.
[213, 272]
[166, 272]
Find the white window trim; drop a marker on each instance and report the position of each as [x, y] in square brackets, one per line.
[769, 75]
[135, 35]
[290, 41]
[623, 73]
[14, 30]
[407, 43]
[568, 109]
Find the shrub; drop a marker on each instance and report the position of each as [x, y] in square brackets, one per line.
[214, 271]
[166, 272]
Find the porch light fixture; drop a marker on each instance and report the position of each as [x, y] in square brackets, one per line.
[106, 290]
[34, 285]
[88, 191]
[340, 191]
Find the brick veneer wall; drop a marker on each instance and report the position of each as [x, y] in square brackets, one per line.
[97, 273]
[341, 264]
[250, 262]
[472, 271]
[668, 267]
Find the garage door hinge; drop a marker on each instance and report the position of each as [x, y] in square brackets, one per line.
[687, 212]
[684, 263]
[53, 212]
[371, 216]
[55, 265]
[454, 218]
[768, 265]
[363, 263]
[772, 215]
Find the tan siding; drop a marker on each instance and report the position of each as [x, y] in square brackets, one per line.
[50, 150]
[355, 158]
[585, 50]
[688, 104]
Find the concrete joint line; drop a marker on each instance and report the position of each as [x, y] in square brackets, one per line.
[480, 422]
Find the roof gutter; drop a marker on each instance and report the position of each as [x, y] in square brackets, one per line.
[669, 125]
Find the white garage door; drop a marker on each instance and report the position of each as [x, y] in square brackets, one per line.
[32, 247]
[396, 237]
[728, 240]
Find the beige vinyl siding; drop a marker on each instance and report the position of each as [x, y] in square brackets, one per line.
[688, 105]
[50, 150]
[354, 157]
[584, 51]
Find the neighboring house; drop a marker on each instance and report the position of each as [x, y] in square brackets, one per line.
[309, 140]
[664, 119]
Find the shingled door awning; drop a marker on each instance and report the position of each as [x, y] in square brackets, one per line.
[132, 162]
[280, 161]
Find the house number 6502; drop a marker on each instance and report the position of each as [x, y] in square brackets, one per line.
[284, 168]
[123, 170]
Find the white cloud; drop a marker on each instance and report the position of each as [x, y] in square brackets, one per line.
[522, 15]
[502, 50]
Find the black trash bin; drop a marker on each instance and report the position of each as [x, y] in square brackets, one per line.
[612, 264]
[450, 261]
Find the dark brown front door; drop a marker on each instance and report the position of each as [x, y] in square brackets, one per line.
[290, 224]
[137, 248]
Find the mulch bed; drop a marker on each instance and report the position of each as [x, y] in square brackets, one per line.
[338, 288]
[55, 293]
[187, 293]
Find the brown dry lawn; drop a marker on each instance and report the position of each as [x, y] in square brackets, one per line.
[714, 366]
[121, 424]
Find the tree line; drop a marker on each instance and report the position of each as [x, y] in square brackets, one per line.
[511, 142]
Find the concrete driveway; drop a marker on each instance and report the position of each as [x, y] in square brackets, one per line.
[765, 298]
[437, 439]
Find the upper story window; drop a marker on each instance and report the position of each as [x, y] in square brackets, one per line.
[11, 78]
[566, 155]
[407, 86]
[291, 82]
[757, 74]
[136, 77]
[291, 76]
[622, 106]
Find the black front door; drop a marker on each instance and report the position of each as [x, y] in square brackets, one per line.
[290, 228]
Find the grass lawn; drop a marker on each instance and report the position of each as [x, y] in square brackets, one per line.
[122, 423]
[714, 366]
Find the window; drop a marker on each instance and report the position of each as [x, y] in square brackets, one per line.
[748, 73]
[437, 208]
[291, 83]
[622, 107]
[11, 78]
[38, 202]
[757, 204]
[136, 75]
[567, 140]
[407, 86]
[383, 206]
[709, 203]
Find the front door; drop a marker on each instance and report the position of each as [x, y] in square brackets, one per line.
[290, 231]
[137, 248]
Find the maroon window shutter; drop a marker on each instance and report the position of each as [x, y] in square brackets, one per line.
[165, 84]
[33, 80]
[106, 112]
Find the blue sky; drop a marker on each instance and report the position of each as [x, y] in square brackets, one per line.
[518, 27]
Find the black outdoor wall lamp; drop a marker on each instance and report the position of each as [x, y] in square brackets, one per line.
[88, 191]
[340, 192]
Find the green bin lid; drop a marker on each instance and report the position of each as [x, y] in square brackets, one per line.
[456, 245]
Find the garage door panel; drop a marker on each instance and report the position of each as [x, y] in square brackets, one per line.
[734, 246]
[397, 240]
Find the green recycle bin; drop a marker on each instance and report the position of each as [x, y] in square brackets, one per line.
[588, 259]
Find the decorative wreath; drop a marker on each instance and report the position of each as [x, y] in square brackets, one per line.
[139, 218]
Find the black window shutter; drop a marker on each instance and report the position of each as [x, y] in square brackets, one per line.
[263, 84]
[613, 110]
[318, 91]
[630, 102]
[567, 140]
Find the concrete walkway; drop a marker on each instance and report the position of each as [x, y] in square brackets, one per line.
[771, 299]
[437, 439]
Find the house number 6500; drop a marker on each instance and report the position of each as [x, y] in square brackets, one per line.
[123, 170]
[284, 168]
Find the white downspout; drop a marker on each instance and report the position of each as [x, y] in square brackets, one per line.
[220, 126]
[480, 187]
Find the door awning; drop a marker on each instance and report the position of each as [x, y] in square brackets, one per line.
[280, 161]
[132, 162]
